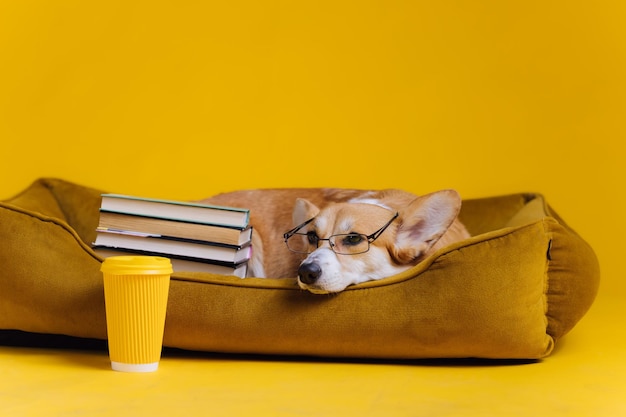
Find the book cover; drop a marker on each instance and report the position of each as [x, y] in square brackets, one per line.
[176, 229]
[176, 210]
[183, 264]
[178, 247]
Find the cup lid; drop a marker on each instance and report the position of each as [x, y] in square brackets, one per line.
[136, 265]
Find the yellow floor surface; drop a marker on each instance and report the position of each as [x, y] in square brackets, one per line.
[585, 376]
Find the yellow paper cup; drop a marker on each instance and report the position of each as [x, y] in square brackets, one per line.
[135, 293]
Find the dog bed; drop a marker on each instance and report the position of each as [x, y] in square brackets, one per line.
[510, 292]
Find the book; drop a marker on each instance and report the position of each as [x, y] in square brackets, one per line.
[176, 210]
[169, 246]
[169, 228]
[184, 264]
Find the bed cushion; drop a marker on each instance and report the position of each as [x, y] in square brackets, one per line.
[510, 292]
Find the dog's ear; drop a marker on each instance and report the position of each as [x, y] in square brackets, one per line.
[423, 222]
[303, 211]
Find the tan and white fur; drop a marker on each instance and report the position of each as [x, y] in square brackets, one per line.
[424, 224]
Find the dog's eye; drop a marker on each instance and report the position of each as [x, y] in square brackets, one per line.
[352, 240]
[312, 238]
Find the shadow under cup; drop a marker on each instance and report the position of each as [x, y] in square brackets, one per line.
[136, 289]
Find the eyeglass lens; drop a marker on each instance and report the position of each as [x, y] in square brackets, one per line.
[342, 244]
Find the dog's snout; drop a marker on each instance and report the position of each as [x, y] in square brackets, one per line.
[309, 272]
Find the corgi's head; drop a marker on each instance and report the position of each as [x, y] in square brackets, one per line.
[372, 237]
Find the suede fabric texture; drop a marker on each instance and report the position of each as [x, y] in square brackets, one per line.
[510, 292]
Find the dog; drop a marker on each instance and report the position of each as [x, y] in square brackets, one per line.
[330, 238]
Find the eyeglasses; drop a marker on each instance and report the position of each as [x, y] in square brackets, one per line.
[342, 244]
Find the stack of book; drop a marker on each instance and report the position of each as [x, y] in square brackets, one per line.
[196, 237]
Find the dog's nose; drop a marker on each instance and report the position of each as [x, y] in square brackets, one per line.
[309, 272]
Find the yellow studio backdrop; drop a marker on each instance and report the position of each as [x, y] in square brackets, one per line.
[186, 99]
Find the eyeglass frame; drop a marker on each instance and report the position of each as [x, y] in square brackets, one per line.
[370, 238]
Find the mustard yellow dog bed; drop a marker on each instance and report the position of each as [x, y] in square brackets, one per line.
[511, 291]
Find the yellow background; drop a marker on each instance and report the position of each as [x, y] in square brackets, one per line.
[185, 99]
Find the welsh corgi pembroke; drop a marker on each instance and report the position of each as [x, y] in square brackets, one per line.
[329, 238]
